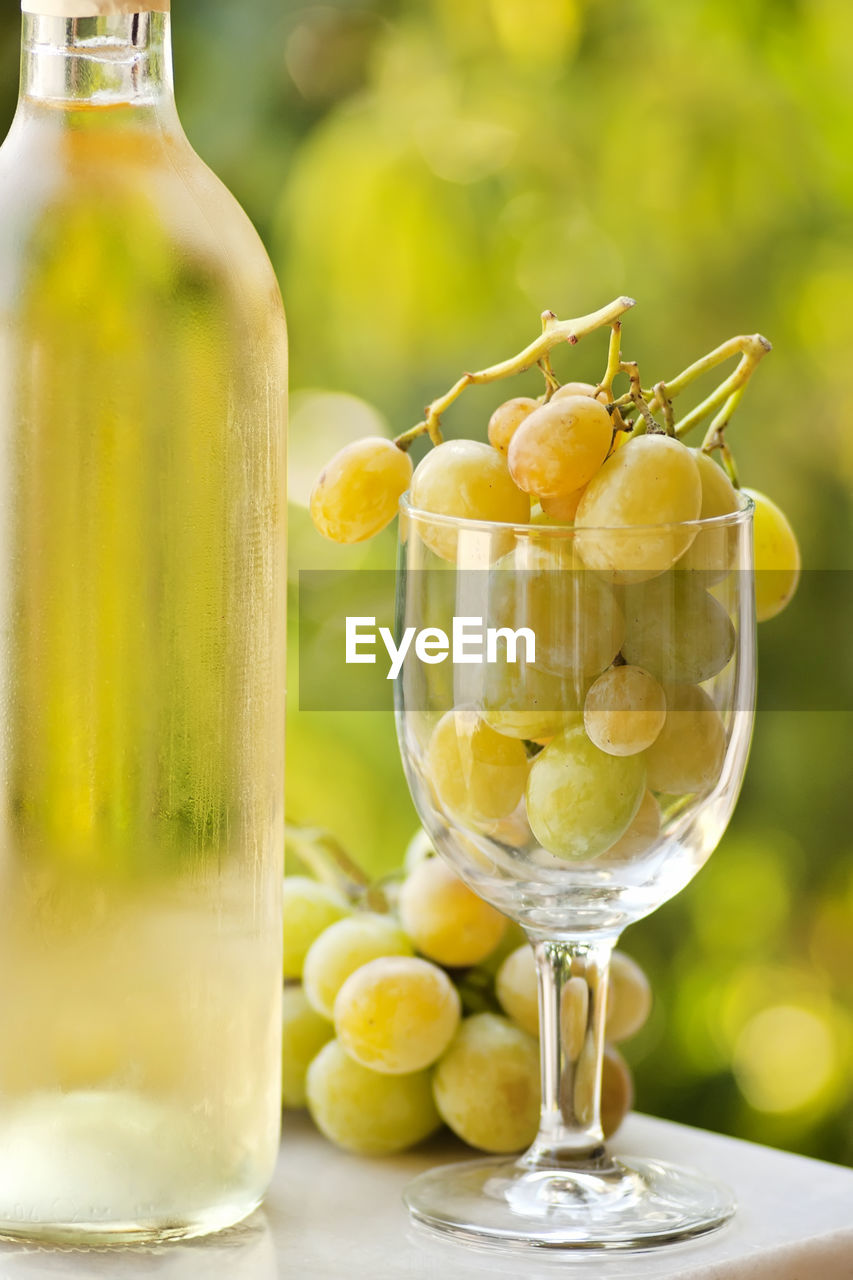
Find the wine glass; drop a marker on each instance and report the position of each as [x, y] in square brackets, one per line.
[576, 784]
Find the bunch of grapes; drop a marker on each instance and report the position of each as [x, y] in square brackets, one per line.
[396, 1022]
[585, 749]
[582, 455]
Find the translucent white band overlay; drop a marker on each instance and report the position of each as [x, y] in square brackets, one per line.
[92, 8]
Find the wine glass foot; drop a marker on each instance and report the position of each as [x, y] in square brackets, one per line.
[626, 1204]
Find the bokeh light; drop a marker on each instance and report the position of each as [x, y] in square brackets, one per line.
[786, 1058]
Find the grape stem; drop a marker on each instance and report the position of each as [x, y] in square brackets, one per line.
[614, 360]
[552, 382]
[752, 349]
[614, 368]
[645, 421]
[327, 860]
[554, 332]
[722, 402]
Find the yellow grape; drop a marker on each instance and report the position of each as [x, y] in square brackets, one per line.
[358, 492]
[642, 834]
[629, 998]
[687, 755]
[469, 480]
[580, 1084]
[345, 947]
[617, 1090]
[777, 557]
[712, 551]
[397, 1014]
[445, 919]
[365, 1111]
[477, 774]
[303, 1034]
[419, 848]
[524, 700]
[516, 989]
[563, 510]
[574, 1016]
[573, 613]
[620, 439]
[486, 1086]
[624, 710]
[579, 389]
[513, 831]
[506, 420]
[652, 481]
[580, 800]
[559, 447]
[538, 516]
[513, 937]
[719, 496]
[308, 907]
[676, 630]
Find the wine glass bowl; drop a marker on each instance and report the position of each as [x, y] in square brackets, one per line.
[575, 749]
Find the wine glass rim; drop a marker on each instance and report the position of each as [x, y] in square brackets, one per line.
[740, 516]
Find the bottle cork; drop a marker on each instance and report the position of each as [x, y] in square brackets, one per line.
[92, 8]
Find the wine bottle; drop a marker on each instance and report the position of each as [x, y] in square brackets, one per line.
[142, 597]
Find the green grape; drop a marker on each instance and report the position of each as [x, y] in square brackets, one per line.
[486, 1086]
[308, 907]
[580, 800]
[687, 755]
[469, 480]
[617, 1090]
[777, 557]
[629, 998]
[365, 1111]
[445, 919]
[358, 492]
[713, 550]
[303, 1034]
[397, 1014]
[523, 700]
[653, 480]
[345, 947]
[624, 710]
[477, 774]
[573, 613]
[676, 630]
[559, 447]
[642, 834]
[506, 420]
[516, 989]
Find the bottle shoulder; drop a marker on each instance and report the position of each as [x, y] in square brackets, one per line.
[135, 188]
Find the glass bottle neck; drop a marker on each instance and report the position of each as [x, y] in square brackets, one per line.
[121, 59]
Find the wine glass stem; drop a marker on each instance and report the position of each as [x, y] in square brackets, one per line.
[572, 979]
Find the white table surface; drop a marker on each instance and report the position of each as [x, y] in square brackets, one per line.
[338, 1217]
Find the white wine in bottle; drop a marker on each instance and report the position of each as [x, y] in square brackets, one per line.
[142, 584]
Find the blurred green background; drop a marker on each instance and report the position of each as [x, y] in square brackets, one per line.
[429, 175]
